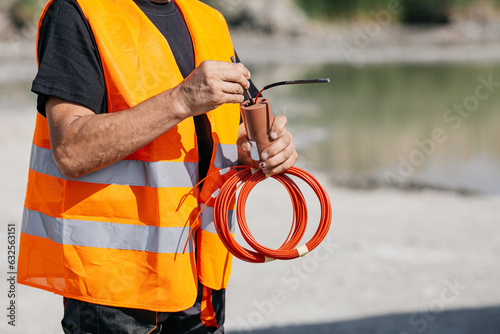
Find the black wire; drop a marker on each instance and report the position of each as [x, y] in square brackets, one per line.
[294, 82]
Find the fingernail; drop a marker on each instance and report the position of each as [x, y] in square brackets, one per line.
[264, 156]
[274, 135]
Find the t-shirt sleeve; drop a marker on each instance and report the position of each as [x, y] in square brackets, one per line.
[69, 62]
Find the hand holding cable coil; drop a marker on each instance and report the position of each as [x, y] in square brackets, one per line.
[257, 116]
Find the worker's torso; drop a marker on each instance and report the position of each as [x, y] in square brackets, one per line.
[119, 236]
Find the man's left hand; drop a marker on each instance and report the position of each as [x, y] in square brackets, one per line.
[278, 157]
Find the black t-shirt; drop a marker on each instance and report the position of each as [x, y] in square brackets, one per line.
[69, 62]
[70, 66]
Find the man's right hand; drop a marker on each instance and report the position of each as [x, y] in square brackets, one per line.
[212, 84]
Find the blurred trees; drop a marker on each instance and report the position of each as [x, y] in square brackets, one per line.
[23, 13]
[327, 9]
[262, 15]
[414, 11]
[426, 12]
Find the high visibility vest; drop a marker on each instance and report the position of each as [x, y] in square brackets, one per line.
[113, 236]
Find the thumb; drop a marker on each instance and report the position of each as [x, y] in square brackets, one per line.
[244, 144]
[246, 158]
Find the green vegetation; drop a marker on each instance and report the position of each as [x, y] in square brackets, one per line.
[24, 13]
[327, 9]
[410, 11]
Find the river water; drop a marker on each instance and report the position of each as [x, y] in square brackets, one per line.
[408, 126]
[434, 126]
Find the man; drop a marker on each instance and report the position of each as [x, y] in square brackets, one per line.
[137, 102]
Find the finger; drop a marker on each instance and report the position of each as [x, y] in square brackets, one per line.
[229, 65]
[246, 72]
[223, 66]
[279, 158]
[225, 71]
[278, 127]
[235, 77]
[244, 159]
[219, 97]
[278, 145]
[244, 144]
[230, 98]
[283, 167]
[231, 88]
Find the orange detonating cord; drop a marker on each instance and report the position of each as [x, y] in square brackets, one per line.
[246, 180]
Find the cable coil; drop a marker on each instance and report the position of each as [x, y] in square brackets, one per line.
[245, 180]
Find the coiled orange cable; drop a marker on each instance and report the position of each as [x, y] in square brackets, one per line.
[246, 180]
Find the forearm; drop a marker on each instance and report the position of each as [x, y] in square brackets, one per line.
[88, 142]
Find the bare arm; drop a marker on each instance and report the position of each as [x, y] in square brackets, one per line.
[83, 141]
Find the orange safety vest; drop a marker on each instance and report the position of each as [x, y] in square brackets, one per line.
[113, 236]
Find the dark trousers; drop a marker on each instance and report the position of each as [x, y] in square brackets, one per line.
[87, 318]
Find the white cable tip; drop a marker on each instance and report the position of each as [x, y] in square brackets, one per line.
[268, 259]
[303, 251]
[216, 193]
[224, 170]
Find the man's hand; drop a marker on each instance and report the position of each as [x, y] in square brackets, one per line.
[275, 159]
[212, 84]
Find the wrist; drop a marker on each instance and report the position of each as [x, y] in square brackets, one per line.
[178, 99]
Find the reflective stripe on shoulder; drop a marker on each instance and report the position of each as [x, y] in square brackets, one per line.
[107, 235]
[124, 172]
[207, 220]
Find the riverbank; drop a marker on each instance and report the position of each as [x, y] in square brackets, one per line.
[372, 42]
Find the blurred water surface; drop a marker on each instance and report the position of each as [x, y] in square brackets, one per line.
[395, 124]
[374, 125]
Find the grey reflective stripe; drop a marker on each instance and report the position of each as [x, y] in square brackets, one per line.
[226, 156]
[254, 153]
[124, 172]
[107, 235]
[207, 219]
